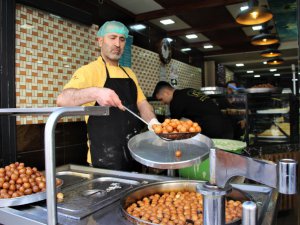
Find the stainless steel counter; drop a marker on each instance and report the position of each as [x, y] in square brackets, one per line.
[103, 189]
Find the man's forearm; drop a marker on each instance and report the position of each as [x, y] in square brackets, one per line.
[146, 110]
[76, 97]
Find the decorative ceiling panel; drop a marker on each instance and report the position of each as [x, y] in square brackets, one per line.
[138, 6]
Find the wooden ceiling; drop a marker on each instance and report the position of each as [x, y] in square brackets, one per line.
[212, 20]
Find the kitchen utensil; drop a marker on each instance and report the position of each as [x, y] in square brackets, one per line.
[136, 115]
[166, 136]
[177, 136]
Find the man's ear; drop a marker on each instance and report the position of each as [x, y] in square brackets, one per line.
[100, 41]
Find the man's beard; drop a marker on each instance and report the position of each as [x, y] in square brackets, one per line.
[114, 56]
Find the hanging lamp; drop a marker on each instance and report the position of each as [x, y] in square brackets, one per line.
[272, 51]
[265, 37]
[275, 61]
[254, 15]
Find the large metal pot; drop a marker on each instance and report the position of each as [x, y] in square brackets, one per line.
[168, 186]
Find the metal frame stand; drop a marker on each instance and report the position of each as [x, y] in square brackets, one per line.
[56, 113]
[225, 165]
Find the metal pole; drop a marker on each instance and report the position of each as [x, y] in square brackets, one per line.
[287, 172]
[249, 213]
[213, 203]
[50, 151]
[294, 79]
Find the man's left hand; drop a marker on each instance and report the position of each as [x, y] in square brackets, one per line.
[152, 122]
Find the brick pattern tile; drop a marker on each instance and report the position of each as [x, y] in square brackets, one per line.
[50, 49]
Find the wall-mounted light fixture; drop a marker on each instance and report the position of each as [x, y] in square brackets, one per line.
[255, 14]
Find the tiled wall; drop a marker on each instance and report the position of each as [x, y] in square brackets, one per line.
[50, 49]
[229, 75]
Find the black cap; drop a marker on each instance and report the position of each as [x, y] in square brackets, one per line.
[159, 86]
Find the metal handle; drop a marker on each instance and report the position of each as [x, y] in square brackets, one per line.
[213, 203]
[249, 213]
[136, 115]
[287, 181]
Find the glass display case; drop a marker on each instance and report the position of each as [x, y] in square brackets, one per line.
[271, 118]
[262, 118]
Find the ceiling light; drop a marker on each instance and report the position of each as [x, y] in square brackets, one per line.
[239, 64]
[208, 46]
[277, 75]
[250, 71]
[273, 70]
[258, 27]
[265, 62]
[138, 27]
[54, 16]
[254, 14]
[186, 49]
[257, 75]
[243, 8]
[191, 36]
[270, 53]
[169, 40]
[167, 21]
[264, 39]
[275, 61]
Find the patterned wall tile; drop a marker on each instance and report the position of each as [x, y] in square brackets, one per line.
[50, 49]
[147, 66]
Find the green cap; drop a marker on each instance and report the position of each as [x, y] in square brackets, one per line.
[112, 27]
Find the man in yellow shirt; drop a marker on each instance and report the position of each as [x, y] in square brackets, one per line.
[103, 82]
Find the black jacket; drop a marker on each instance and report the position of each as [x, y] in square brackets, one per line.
[195, 105]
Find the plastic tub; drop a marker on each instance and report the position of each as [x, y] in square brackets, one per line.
[201, 171]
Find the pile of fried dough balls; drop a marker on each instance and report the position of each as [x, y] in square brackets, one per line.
[176, 126]
[178, 208]
[17, 180]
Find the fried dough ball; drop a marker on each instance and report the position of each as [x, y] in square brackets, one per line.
[178, 208]
[176, 126]
[178, 153]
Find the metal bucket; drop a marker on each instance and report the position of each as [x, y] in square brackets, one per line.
[168, 186]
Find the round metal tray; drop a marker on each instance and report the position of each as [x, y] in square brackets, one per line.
[168, 186]
[261, 90]
[148, 149]
[26, 199]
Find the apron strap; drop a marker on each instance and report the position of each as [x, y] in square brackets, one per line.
[107, 73]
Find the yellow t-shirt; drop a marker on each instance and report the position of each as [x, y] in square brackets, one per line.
[94, 75]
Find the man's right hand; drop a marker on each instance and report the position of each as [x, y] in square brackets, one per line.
[76, 97]
[108, 97]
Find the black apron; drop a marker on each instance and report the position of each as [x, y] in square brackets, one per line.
[109, 135]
